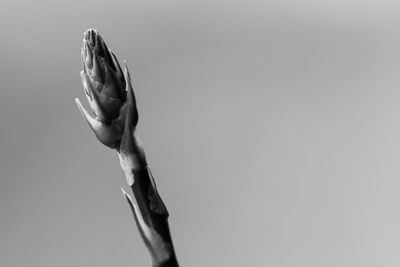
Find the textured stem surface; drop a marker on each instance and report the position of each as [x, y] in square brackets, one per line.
[151, 217]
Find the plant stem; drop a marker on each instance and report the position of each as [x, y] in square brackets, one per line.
[151, 217]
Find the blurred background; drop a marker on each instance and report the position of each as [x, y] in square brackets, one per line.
[272, 129]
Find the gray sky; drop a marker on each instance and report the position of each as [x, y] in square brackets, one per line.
[272, 129]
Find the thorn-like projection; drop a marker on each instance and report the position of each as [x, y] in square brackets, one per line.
[159, 249]
[136, 213]
[94, 124]
[130, 201]
[131, 119]
[108, 135]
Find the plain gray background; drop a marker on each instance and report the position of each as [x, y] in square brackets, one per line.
[272, 129]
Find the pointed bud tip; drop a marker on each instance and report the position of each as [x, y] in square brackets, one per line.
[92, 37]
[89, 32]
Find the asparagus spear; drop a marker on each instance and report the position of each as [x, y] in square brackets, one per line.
[115, 116]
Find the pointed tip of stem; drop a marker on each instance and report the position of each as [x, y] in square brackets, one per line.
[80, 107]
[94, 124]
[125, 193]
[131, 202]
[127, 75]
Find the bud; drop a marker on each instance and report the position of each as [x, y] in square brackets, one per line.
[109, 92]
[102, 78]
